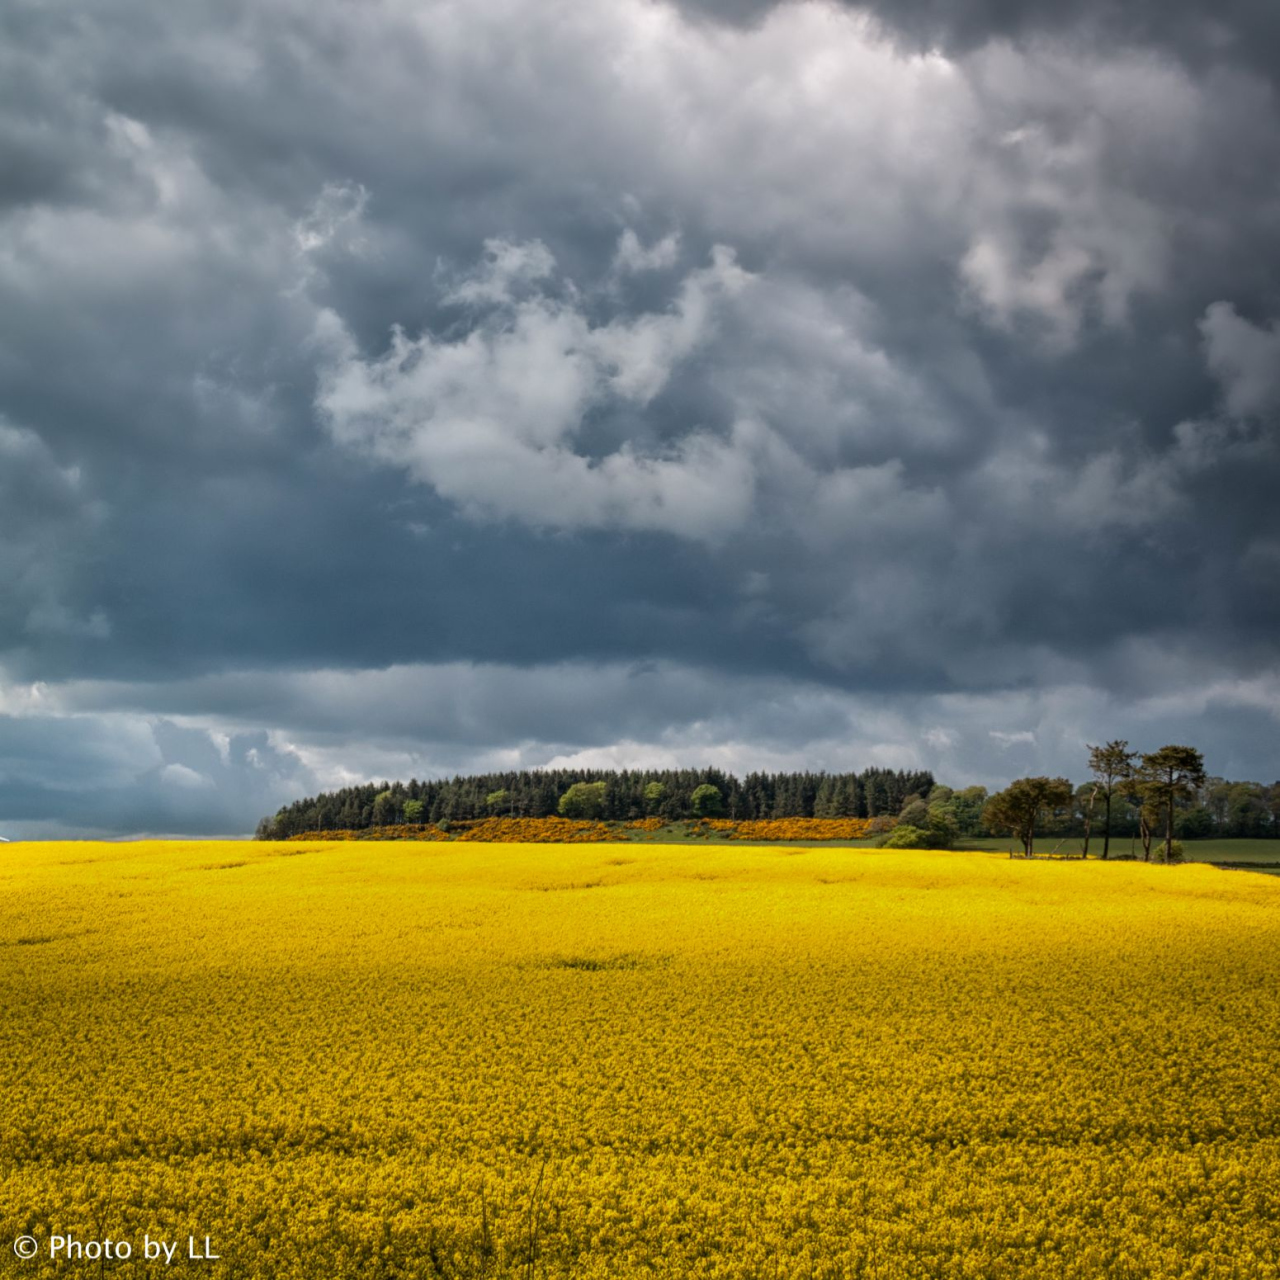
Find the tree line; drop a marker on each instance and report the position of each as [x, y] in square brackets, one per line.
[1157, 797]
[1153, 800]
[611, 795]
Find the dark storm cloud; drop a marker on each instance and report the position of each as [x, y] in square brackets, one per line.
[921, 363]
[1241, 31]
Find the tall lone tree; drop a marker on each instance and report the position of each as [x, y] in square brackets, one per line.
[1167, 776]
[1112, 765]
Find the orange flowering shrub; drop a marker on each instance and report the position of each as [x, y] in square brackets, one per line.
[537, 831]
[758, 829]
[647, 824]
[573, 831]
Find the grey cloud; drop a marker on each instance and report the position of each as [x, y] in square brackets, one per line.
[61, 754]
[228, 748]
[111, 773]
[49, 516]
[988, 409]
[1245, 358]
[1245, 31]
[490, 420]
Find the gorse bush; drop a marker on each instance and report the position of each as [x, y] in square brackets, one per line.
[569, 830]
[794, 828]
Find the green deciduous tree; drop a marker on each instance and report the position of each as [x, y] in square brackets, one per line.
[384, 809]
[707, 801]
[1195, 824]
[583, 800]
[967, 807]
[654, 794]
[1024, 805]
[941, 823]
[915, 813]
[1247, 810]
[904, 836]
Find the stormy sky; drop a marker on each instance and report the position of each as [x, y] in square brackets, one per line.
[406, 388]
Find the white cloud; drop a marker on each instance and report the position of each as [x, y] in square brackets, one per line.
[507, 268]
[493, 419]
[1056, 233]
[335, 215]
[632, 257]
[1051, 286]
[179, 775]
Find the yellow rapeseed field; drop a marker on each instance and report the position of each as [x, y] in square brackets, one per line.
[461, 1060]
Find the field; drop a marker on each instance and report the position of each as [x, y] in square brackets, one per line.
[1241, 852]
[844, 833]
[463, 1060]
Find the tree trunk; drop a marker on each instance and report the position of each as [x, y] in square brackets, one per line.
[1106, 829]
[1168, 830]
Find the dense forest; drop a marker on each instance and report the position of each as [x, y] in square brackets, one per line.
[665, 793]
[1212, 807]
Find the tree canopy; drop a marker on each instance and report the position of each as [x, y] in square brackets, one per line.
[1131, 799]
[1166, 778]
[1024, 804]
[628, 794]
[583, 800]
[1111, 765]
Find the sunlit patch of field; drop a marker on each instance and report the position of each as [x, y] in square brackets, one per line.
[418, 1060]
